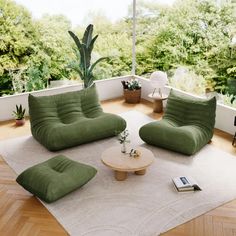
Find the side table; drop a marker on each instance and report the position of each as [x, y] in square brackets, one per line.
[158, 102]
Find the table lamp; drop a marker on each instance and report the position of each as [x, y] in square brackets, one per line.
[158, 80]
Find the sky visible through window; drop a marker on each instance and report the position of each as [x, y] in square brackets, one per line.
[77, 11]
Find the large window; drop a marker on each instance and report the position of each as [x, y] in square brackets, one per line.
[35, 46]
[193, 41]
[113, 22]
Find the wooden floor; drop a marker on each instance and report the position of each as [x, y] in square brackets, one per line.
[23, 214]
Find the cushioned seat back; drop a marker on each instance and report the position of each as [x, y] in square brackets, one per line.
[64, 108]
[183, 110]
[70, 119]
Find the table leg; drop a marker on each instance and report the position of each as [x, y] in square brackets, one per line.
[140, 172]
[158, 106]
[234, 140]
[120, 175]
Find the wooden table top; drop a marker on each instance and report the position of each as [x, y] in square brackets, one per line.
[116, 160]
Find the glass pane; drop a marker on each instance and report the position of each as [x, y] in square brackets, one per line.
[193, 41]
[112, 21]
[37, 49]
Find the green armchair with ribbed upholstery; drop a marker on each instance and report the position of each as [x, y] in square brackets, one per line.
[70, 119]
[186, 127]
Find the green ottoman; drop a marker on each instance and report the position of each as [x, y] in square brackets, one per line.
[55, 178]
[186, 127]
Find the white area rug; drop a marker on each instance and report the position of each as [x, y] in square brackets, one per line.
[141, 205]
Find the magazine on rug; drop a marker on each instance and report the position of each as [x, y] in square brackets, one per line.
[185, 184]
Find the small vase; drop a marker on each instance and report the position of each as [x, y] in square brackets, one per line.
[123, 148]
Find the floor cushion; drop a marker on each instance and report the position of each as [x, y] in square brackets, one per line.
[186, 127]
[70, 119]
[53, 179]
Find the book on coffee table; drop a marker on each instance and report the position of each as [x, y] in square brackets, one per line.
[185, 184]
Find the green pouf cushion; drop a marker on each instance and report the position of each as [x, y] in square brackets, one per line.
[55, 178]
[69, 119]
[186, 127]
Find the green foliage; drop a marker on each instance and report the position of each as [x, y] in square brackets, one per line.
[17, 35]
[132, 84]
[228, 100]
[83, 53]
[197, 35]
[18, 80]
[36, 77]
[6, 85]
[123, 137]
[18, 39]
[31, 52]
[55, 46]
[114, 42]
[19, 113]
[181, 80]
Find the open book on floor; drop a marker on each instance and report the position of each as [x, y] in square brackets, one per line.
[185, 184]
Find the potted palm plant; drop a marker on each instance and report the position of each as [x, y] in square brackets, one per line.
[19, 114]
[132, 90]
[83, 53]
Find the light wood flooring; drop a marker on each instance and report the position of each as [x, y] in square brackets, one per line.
[23, 214]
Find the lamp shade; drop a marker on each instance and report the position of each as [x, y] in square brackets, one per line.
[158, 79]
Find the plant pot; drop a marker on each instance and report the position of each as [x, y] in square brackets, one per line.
[132, 96]
[20, 122]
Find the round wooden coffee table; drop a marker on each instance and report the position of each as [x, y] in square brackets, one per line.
[122, 163]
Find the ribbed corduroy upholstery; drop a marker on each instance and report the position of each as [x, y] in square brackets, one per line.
[186, 127]
[56, 177]
[69, 119]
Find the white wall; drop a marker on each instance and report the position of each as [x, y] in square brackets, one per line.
[225, 118]
[8, 103]
[107, 89]
[110, 88]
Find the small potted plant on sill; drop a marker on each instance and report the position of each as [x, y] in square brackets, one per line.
[132, 90]
[19, 114]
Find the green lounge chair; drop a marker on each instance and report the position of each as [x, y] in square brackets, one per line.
[186, 127]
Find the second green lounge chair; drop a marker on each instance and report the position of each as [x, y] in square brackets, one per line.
[186, 127]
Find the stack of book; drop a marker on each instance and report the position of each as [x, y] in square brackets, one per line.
[185, 184]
